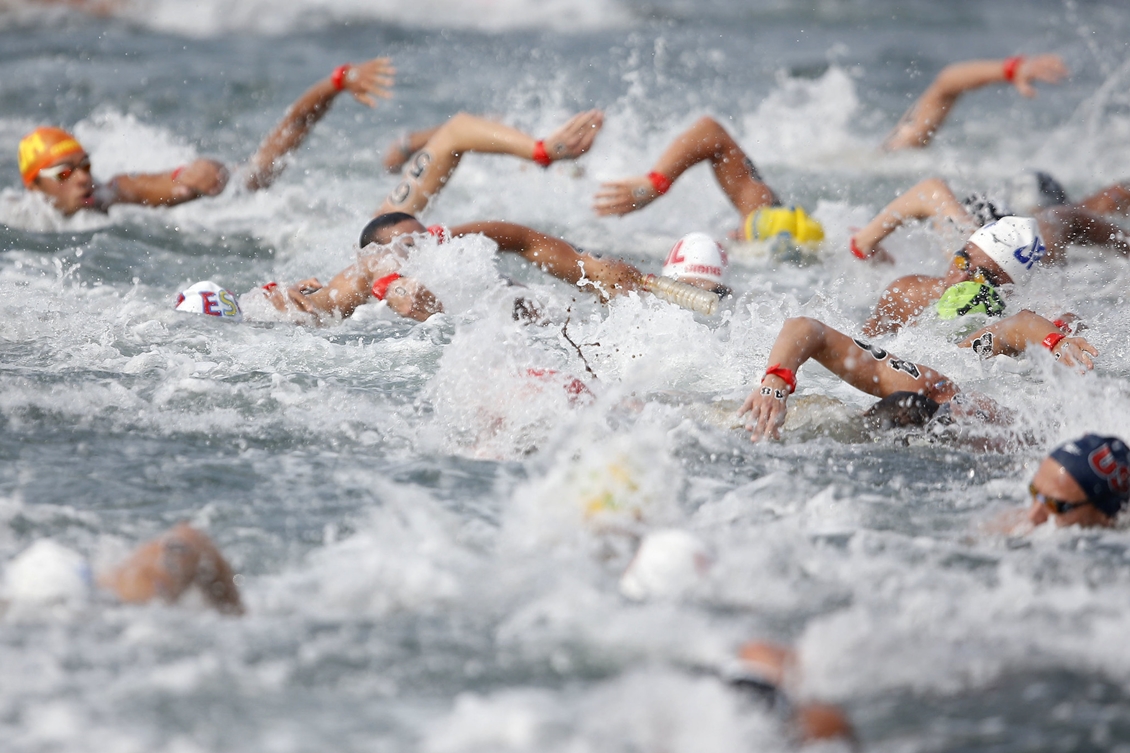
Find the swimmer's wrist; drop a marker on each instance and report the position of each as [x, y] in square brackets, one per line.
[1010, 67]
[1052, 341]
[541, 156]
[380, 287]
[660, 182]
[337, 78]
[856, 251]
[787, 377]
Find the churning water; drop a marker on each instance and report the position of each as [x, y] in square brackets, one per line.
[407, 506]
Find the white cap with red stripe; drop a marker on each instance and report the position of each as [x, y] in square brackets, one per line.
[696, 255]
[210, 299]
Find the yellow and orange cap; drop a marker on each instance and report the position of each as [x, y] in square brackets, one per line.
[43, 146]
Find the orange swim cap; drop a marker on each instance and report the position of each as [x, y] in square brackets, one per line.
[43, 146]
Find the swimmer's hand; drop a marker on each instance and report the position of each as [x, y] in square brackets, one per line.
[575, 137]
[1047, 68]
[620, 197]
[1075, 352]
[767, 406]
[307, 286]
[410, 299]
[374, 78]
[204, 177]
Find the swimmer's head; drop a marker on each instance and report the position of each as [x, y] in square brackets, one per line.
[1099, 467]
[1013, 244]
[47, 572]
[791, 224]
[900, 410]
[969, 297]
[54, 163]
[668, 563]
[698, 260]
[384, 227]
[210, 299]
[1035, 189]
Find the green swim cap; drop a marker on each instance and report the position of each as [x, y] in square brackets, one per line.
[969, 298]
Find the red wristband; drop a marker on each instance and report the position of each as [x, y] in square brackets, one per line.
[1053, 339]
[337, 78]
[270, 286]
[380, 287]
[785, 374]
[176, 173]
[438, 232]
[1063, 326]
[1010, 67]
[660, 182]
[856, 252]
[541, 156]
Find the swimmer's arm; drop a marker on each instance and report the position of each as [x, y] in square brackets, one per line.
[429, 170]
[202, 177]
[607, 277]
[1114, 199]
[802, 338]
[930, 199]
[1015, 334]
[352, 287]
[917, 127]
[400, 150]
[365, 81]
[904, 299]
[168, 566]
[705, 141]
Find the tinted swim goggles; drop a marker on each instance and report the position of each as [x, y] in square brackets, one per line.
[962, 261]
[1053, 505]
[61, 173]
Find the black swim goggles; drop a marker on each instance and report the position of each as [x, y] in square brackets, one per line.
[962, 261]
[1053, 505]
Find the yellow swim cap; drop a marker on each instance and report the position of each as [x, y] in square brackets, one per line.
[769, 222]
[43, 146]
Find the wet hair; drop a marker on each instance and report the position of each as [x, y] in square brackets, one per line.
[1050, 189]
[983, 209]
[900, 410]
[371, 233]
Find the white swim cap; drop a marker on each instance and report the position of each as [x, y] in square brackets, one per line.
[47, 572]
[1014, 243]
[696, 255]
[667, 564]
[209, 298]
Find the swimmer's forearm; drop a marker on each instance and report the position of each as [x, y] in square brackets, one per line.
[290, 132]
[1012, 336]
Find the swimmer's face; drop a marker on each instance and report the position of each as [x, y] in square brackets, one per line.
[68, 183]
[1053, 481]
[979, 262]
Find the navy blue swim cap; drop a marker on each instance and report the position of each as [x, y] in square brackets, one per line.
[1101, 465]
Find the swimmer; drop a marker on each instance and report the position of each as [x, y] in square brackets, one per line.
[707, 141]
[167, 568]
[376, 272]
[53, 163]
[1084, 482]
[433, 163]
[770, 673]
[916, 128]
[1060, 222]
[1001, 253]
[921, 390]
